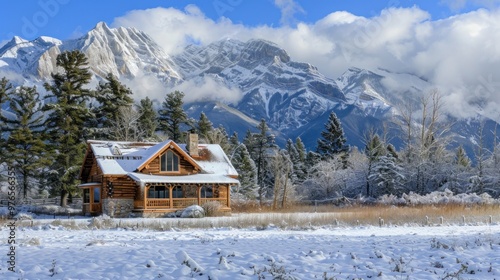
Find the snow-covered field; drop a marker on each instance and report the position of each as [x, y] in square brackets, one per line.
[332, 252]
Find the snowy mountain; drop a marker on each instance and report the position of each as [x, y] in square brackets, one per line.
[295, 98]
[125, 52]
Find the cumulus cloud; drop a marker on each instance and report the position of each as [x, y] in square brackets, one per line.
[459, 54]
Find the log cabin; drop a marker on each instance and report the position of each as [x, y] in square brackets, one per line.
[122, 179]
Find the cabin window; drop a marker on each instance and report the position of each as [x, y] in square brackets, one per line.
[158, 192]
[86, 195]
[207, 192]
[169, 162]
[177, 192]
[97, 195]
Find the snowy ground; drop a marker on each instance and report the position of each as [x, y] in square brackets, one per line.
[389, 252]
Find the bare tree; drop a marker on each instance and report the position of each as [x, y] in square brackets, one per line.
[126, 126]
[284, 189]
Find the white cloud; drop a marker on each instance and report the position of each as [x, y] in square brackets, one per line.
[460, 54]
[208, 89]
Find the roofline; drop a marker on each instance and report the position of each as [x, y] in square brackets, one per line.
[163, 149]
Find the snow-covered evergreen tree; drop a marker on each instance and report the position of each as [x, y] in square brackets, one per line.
[25, 147]
[332, 141]
[247, 172]
[68, 113]
[387, 176]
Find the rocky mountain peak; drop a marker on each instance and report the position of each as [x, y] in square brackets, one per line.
[264, 51]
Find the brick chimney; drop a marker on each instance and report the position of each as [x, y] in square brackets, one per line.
[193, 144]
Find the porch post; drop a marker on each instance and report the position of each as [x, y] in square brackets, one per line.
[146, 187]
[198, 191]
[228, 195]
[170, 196]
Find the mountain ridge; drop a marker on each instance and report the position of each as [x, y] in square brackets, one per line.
[258, 76]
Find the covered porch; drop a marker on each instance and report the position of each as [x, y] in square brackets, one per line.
[172, 193]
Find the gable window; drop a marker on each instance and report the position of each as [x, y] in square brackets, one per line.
[169, 162]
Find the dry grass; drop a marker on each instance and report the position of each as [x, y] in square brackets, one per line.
[394, 215]
[300, 217]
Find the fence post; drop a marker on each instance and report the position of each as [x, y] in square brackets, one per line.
[380, 221]
[441, 219]
[426, 220]
[491, 219]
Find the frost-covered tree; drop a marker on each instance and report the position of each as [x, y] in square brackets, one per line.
[67, 114]
[328, 179]
[387, 176]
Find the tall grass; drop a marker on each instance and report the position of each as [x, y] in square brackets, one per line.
[306, 218]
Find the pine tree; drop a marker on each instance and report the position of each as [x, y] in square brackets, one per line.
[294, 157]
[461, 157]
[25, 147]
[5, 88]
[233, 142]
[204, 126]
[333, 140]
[258, 145]
[301, 149]
[247, 172]
[374, 149]
[148, 118]
[68, 113]
[301, 166]
[112, 96]
[172, 116]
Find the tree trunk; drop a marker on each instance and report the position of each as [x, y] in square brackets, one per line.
[64, 198]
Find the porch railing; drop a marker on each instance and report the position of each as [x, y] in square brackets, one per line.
[158, 203]
[177, 203]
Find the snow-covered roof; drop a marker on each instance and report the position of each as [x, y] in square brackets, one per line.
[195, 178]
[121, 158]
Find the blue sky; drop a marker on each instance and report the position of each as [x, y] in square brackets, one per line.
[454, 44]
[65, 19]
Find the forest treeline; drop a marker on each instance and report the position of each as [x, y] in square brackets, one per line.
[43, 139]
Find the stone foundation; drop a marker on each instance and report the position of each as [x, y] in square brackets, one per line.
[117, 208]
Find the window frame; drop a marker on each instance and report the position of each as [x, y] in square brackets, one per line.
[156, 190]
[173, 163]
